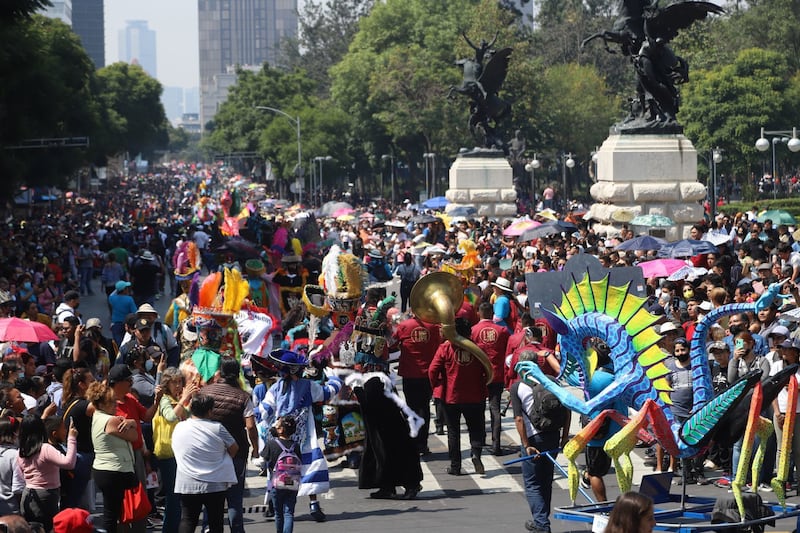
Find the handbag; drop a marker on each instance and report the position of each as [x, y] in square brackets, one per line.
[162, 435]
[135, 504]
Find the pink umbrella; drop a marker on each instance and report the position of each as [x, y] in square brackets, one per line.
[661, 268]
[343, 211]
[519, 227]
[19, 330]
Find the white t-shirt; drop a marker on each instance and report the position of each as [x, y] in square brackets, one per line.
[783, 397]
[201, 451]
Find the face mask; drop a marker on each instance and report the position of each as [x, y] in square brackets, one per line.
[688, 294]
[148, 365]
[26, 285]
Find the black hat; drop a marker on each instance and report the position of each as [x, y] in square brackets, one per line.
[119, 373]
[142, 323]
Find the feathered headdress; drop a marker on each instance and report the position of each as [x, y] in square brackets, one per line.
[341, 284]
[186, 260]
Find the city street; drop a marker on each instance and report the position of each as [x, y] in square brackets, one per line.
[494, 501]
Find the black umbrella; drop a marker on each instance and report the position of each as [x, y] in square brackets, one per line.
[424, 219]
[545, 230]
[687, 248]
[642, 242]
[239, 247]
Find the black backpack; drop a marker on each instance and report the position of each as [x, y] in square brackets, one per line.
[547, 413]
[378, 269]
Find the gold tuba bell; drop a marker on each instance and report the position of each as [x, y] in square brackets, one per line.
[435, 298]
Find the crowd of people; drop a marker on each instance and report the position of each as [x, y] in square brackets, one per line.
[118, 397]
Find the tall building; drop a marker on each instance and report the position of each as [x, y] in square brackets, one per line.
[137, 44]
[238, 32]
[61, 10]
[88, 21]
[172, 100]
[191, 101]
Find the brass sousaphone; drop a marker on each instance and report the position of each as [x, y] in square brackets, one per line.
[435, 298]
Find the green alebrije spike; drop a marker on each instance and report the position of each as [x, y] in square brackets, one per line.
[565, 311]
[710, 414]
[665, 399]
[657, 371]
[632, 304]
[585, 292]
[651, 356]
[616, 298]
[600, 292]
[640, 322]
[645, 340]
[574, 298]
[662, 385]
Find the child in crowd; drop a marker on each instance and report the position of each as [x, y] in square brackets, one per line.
[282, 456]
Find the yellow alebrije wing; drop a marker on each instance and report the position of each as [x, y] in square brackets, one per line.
[640, 322]
[616, 299]
[584, 288]
[573, 296]
[566, 310]
[630, 306]
[645, 339]
[600, 294]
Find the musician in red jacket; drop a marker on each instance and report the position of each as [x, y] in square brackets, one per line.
[463, 379]
[418, 342]
[492, 338]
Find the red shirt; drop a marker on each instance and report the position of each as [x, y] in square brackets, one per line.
[418, 342]
[460, 374]
[493, 339]
[130, 407]
[467, 311]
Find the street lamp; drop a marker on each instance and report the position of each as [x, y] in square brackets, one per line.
[531, 167]
[296, 120]
[390, 157]
[762, 144]
[568, 163]
[716, 157]
[426, 156]
[320, 160]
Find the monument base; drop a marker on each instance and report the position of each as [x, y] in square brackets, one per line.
[483, 179]
[648, 174]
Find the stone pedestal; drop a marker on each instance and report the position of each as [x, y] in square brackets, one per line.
[483, 179]
[648, 174]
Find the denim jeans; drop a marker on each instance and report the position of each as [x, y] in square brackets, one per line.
[284, 502]
[537, 476]
[235, 496]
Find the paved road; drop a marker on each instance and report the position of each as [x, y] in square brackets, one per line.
[494, 501]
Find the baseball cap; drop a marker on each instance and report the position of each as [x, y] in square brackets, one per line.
[717, 346]
[764, 266]
[779, 330]
[119, 373]
[94, 323]
[121, 285]
[667, 327]
[705, 306]
[791, 343]
[73, 520]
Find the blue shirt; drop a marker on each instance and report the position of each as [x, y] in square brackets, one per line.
[121, 306]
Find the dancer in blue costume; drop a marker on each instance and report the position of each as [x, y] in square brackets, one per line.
[294, 395]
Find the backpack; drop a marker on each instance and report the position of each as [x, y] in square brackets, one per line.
[286, 474]
[547, 413]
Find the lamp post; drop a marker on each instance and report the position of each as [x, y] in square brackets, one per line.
[320, 160]
[390, 157]
[296, 120]
[568, 163]
[762, 144]
[531, 167]
[716, 157]
[428, 155]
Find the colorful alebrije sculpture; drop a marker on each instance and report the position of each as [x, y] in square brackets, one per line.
[597, 309]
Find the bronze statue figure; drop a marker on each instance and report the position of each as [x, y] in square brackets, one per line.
[643, 31]
[481, 84]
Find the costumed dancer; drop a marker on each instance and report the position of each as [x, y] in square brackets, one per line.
[293, 395]
[390, 456]
[186, 261]
[335, 302]
[290, 278]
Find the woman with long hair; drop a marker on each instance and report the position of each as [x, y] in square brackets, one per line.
[632, 513]
[41, 463]
[113, 455]
[11, 480]
[78, 411]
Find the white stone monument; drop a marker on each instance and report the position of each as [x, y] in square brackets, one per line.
[647, 174]
[483, 179]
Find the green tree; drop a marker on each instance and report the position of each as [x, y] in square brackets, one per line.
[726, 107]
[134, 118]
[46, 92]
